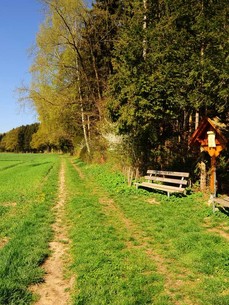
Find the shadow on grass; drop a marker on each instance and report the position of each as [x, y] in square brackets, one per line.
[223, 210]
[174, 195]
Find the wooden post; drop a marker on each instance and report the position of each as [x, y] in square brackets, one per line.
[213, 176]
[203, 172]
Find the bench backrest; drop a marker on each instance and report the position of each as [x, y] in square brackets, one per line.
[168, 177]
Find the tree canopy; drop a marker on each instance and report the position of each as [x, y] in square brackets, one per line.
[19, 139]
[146, 71]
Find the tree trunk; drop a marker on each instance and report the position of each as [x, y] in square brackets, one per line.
[82, 109]
[197, 119]
[203, 175]
[97, 83]
[144, 29]
[96, 74]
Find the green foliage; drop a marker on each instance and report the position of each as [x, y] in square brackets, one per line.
[153, 97]
[65, 80]
[19, 139]
[148, 67]
[33, 138]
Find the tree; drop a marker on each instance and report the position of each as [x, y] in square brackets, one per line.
[10, 140]
[19, 139]
[179, 70]
[59, 77]
[154, 66]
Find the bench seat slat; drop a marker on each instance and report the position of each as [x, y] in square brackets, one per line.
[162, 187]
[162, 179]
[222, 201]
[168, 173]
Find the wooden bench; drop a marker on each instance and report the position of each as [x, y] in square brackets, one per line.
[221, 201]
[170, 182]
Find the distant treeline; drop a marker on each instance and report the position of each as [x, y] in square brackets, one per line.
[18, 139]
[21, 140]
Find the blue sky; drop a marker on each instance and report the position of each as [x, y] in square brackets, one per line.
[19, 24]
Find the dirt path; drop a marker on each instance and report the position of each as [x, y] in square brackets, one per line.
[80, 173]
[56, 289]
[222, 229]
[221, 232]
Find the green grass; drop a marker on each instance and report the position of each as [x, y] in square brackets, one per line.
[128, 246]
[177, 231]
[109, 271]
[27, 193]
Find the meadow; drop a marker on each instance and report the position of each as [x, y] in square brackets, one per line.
[127, 246]
[139, 247]
[28, 186]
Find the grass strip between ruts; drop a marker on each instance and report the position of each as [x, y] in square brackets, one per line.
[108, 270]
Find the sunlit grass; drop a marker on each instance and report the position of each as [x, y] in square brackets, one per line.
[108, 270]
[27, 193]
[128, 246]
[176, 230]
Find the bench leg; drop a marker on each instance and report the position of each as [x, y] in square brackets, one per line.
[213, 206]
[211, 201]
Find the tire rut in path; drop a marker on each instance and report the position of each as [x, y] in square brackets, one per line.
[172, 282]
[56, 289]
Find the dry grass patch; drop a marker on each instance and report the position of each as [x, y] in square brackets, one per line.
[9, 204]
[222, 229]
[3, 241]
[152, 201]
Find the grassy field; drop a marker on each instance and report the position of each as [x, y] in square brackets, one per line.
[138, 247]
[127, 246]
[28, 186]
